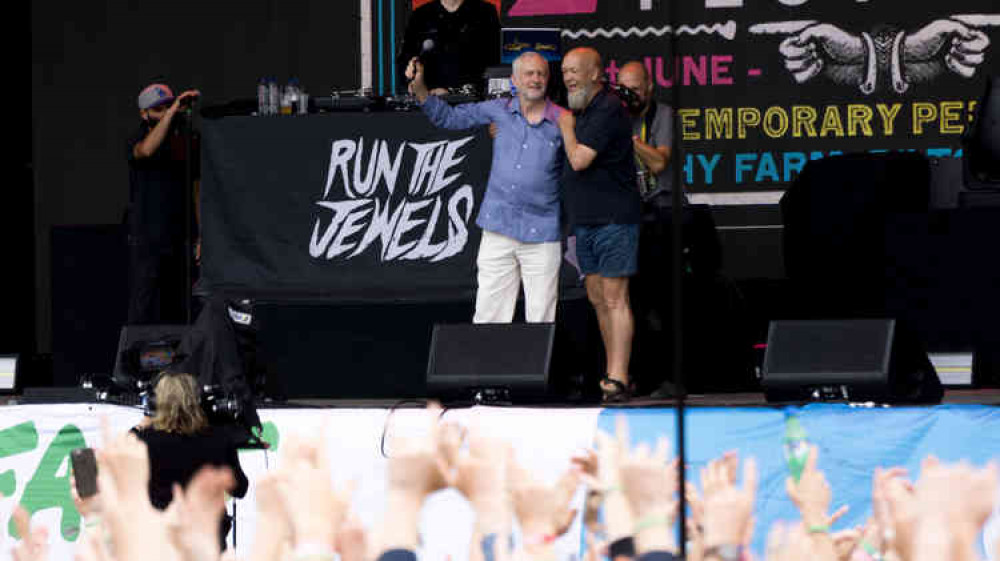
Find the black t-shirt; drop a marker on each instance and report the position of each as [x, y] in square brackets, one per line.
[465, 42]
[156, 191]
[175, 458]
[606, 192]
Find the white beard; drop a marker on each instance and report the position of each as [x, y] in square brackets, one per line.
[578, 99]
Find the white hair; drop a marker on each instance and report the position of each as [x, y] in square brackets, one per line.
[519, 60]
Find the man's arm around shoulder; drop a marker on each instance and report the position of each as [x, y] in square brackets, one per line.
[580, 156]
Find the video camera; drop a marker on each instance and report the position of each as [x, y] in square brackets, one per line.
[220, 406]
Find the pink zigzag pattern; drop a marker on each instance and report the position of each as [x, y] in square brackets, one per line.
[553, 7]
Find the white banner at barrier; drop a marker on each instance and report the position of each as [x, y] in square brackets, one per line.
[35, 442]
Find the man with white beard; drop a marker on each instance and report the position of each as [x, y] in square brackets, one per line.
[603, 206]
[520, 211]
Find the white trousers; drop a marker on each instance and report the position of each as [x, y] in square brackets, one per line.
[504, 263]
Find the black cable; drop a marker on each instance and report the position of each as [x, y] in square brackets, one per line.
[392, 410]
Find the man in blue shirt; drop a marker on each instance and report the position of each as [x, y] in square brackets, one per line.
[520, 211]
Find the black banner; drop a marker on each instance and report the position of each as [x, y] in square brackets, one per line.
[348, 205]
[763, 86]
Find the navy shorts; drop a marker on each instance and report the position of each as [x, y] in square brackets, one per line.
[611, 250]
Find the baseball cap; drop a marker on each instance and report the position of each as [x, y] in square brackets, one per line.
[155, 95]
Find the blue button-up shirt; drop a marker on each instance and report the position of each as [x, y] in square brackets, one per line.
[522, 196]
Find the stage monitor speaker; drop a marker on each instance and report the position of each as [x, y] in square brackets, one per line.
[847, 360]
[145, 350]
[58, 394]
[490, 363]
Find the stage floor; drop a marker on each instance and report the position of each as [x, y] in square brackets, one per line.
[989, 396]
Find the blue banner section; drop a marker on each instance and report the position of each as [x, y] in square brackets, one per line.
[852, 442]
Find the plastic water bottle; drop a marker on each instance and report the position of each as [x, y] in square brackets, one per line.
[303, 102]
[262, 97]
[290, 101]
[796, 446]
[273, 97]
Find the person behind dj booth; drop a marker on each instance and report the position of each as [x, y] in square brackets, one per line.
[520, 213]
[603, 206]
[157, 191]
[457, 40]
[181, 441]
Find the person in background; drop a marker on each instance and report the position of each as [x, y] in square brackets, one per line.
[456, 40]
[181, 442]
[157, 191]
[652, 133]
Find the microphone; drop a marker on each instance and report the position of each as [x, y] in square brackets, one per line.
[426, 47]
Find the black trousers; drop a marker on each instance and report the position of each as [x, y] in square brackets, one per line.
[157, 287]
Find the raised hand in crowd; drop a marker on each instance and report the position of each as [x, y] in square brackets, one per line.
[611, 451]
[34, 544]
[415, 470]
[136, 529]
[273, 538]
[315, 507]
[352, 540]
[812, 496]
[727, 509]
[650, 485]
[195, 513]
[480, 475]
[543, 511]
[953, 503]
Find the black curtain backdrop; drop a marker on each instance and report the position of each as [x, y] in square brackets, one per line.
[90, 59]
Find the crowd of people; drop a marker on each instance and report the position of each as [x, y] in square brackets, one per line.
[631, 506]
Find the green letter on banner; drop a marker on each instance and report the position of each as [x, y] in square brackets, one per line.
[18, 439]
[46, 490]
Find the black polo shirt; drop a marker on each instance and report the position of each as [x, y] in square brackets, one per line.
[606, 192]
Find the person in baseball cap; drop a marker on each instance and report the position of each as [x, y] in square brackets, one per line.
[158, 189]
[158, 106]
[155, 95]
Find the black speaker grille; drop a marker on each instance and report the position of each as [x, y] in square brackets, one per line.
[845, 347]
[490, 353]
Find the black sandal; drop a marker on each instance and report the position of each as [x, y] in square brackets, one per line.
[619, 394]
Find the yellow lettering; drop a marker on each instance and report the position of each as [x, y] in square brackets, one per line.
[951, 118]
[770, 115]
[689, 123]
[747, 117]
[804, 117]
[831, 122]
[888, 115]
[719, 123]
[923, 113]
[859, 116]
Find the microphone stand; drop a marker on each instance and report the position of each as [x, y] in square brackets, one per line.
[188, 210]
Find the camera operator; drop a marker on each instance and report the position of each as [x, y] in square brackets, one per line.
[181, 441]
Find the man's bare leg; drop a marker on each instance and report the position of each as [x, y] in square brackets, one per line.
[621, 326]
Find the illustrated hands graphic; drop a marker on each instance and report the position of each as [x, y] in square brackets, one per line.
[959, 47]
[811, 48]
[818, 47]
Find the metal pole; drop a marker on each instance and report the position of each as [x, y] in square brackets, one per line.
[677, 273]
